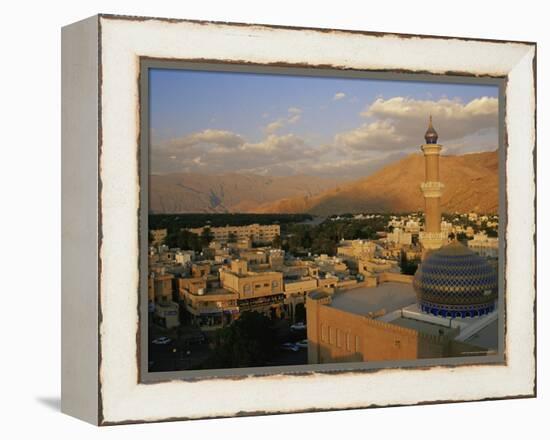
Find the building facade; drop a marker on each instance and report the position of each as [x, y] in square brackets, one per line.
[484, 246]
[336, 335]
[257, 291]
[256, 233]
[209, 308]
[351, 251]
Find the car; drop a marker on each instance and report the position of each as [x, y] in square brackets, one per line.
[163, 340]
[289, 346]
[299, 326]
[302, 343]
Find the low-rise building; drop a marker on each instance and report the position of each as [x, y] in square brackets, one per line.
[296, 289]
[255, 233]
[254, 256]
[383, 323]
[334, 265]
[372, 266]
[166, 314]
[184, 257]
[201, 270]
[353, 250]
[399, 237]
[412, 226]
[257, 291]
[483, 245]
[209, 308]
[446, 227]
[160, 285]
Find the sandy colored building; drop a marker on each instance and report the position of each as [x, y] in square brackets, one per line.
[296, 290]
[399, 237]
[336, 335]
[331, 264]
[483, 245]
[412, 226]
[256, 233]
[160, 285]
[160, 290]
[372, 324]
[375, 265]
[355, 249]
[166, 314]
[184, 257]
[257, 291]
[327, 282]
[200, 270]
[210, 308]
[254, 256]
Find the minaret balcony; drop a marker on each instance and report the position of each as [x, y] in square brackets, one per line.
[432, 189]
[431, 149]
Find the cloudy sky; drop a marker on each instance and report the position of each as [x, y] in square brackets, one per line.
[217, 122]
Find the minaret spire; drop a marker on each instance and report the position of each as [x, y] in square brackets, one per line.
[431, 134]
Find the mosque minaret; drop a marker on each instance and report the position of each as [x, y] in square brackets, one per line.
[432, 237]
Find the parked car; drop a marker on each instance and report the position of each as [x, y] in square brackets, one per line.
[289, 346]
[163, 340]
[302, 343]
[299, 326]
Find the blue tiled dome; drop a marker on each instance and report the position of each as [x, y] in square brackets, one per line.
[454, 281]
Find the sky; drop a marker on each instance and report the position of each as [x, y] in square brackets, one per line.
[267, 124]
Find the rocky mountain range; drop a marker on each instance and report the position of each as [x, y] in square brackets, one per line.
[231, 192]
[471, 184]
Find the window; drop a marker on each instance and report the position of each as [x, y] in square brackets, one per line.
[357, 344]
[339, 338]
[348, 342]
[274, 284]
[332, 335]
[324, 336]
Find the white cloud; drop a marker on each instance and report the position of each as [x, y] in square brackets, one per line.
[223, 151]
[399, 123]
[338, 96]
[272, 127]
[391, 129]
[293, 116]
[209, 136]
[374, 136]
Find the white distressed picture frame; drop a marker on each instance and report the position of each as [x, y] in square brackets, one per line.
[100, 181]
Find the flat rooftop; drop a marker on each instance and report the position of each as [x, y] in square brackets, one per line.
[427, 328]
[364, 300]
[481, 331]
